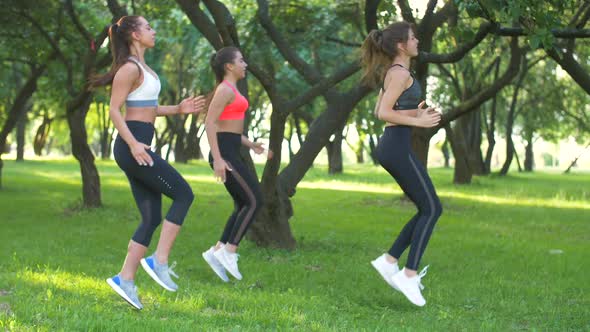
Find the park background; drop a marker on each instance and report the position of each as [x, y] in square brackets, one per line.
[509, 161]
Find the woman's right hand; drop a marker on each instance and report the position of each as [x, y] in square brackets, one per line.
[139, 152]
[428, 117]
[220, 166]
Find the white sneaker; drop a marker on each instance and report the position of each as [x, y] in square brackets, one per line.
[215, 265]
[229, 261]
[386, 269]
[411, 287]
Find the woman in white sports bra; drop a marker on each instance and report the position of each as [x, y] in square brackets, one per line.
[136, 85]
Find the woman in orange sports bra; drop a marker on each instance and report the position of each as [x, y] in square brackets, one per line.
[225, 125]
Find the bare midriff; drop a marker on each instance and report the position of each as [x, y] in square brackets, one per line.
[230, 126]
[143, 114]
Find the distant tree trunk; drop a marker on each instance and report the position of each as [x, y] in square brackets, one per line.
[20, 133]
[106, 131]
[462, 172]
[529, 157]
[360, 153]
[446, 154]
[471, 126]
[334, 148]
[373, 149]
[509, 153]
[511, 118]
[77, 109]
[516, 157]
[193, 139]
[40, 140]
[491, 127]
[18, 107]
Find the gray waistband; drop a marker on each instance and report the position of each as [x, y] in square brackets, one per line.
[141, 103]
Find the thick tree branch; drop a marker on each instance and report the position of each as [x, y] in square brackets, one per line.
[201, 21]
[322, 86]
[583, 12]
[566, 33]
[482, 96]
[459, 53]
[453, 79]
[449, 10]
[117, 10]
[575, 70]
[221, 18]
[309, 73]
[76, 20]
[371, 14]
[406, 11]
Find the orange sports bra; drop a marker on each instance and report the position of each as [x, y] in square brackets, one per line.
[237, 109]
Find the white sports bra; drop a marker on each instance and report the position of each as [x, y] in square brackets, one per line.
[146, 95]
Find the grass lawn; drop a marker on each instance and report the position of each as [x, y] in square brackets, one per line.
[507, 254]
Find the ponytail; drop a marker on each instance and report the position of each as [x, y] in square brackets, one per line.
[380, 48]
[119, 41]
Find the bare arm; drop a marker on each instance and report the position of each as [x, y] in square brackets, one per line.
[222, 97]
[165, 110]
[186, 106]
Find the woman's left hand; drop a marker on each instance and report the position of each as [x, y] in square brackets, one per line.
[192, 105]
[259, 149]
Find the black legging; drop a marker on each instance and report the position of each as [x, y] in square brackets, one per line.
[395, 155]
[242, 185]
[149, 183]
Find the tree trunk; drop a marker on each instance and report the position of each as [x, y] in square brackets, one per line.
[193, 140]
[473, 141]
[529, 157]
[510, 119]
[360, 153]
[373, 148]
[462, 172]
[334, 148]
[271, 228]
[516, 157]
[445, 152]
[76, 115]
[20, 134]
[106, 131]
[509, 152]
[18, 107]
[574, 162]
[491, 127]
[41, 135]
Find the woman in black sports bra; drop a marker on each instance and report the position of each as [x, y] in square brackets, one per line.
[400, 106]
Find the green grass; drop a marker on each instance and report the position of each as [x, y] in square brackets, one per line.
[491, 266]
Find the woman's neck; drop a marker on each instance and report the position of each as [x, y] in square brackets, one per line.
[231, 79]
[403, 60]
[137, 52]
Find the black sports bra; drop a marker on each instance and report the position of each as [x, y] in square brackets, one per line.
[411, 97]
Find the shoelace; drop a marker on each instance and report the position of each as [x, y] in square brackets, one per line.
[171, 272]
[421, 275]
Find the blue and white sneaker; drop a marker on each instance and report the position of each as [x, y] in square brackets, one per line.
[126, 289]
[160, 272]
[215, 265]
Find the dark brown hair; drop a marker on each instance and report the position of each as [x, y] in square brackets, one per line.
[380, 48]
[120, 39]
[220, 58]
